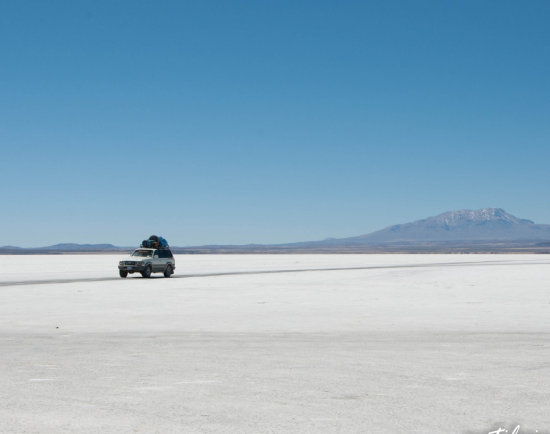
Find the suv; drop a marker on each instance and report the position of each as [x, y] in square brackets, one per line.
[147, 261]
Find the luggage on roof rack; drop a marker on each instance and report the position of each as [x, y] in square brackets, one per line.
[155, 242]
[163, 243]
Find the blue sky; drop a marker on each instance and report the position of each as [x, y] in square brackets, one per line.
[267, 121]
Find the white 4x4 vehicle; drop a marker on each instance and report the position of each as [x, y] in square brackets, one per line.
[147, 261]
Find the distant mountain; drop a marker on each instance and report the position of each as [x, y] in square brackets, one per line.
[72, 247]
[483, 230]
[487, 224]
[62, 248]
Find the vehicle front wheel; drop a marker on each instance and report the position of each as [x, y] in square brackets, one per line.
[123, 273]
[147, 272]
[168, 272]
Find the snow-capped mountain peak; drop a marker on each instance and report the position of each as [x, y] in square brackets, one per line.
[463, 225]
[484, 215]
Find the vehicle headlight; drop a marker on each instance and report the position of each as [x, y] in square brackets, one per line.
[121, 263]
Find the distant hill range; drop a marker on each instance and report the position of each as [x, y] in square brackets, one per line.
[63, 248]
[487, 230]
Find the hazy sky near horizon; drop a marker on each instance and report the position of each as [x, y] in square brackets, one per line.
[267, 121]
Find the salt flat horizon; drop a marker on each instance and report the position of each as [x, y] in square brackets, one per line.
[276, 343]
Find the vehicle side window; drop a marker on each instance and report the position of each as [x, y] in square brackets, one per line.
[163, 253]
[169, 254]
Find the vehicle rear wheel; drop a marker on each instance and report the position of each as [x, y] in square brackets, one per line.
[168, 272]
[147, 272]
[123, 273]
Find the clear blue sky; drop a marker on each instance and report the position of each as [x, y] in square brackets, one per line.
[267, 121]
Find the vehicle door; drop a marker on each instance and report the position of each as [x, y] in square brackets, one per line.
[157, 261]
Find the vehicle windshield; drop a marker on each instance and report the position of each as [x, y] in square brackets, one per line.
[143, 253]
